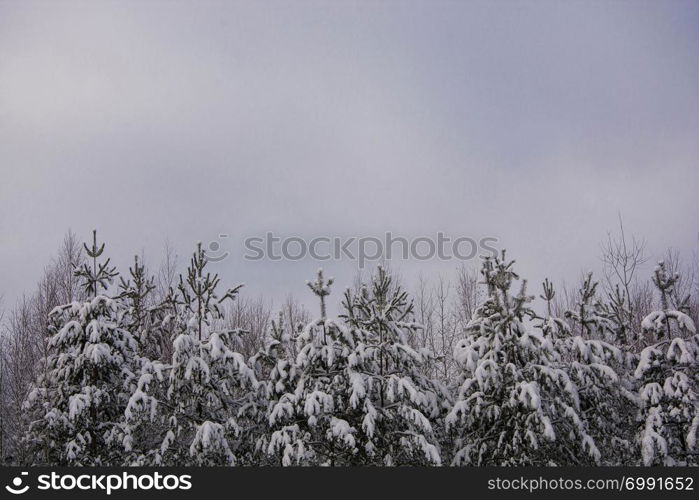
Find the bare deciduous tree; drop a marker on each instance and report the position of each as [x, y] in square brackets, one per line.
[622, 256]
[253, 317]
[468, 293]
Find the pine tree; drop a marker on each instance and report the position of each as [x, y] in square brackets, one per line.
[604, 396]
[668, 371]
[514, 405]
[207, 381]
[616, 312]
[389, 392]
[275, 370]
[136, 293]
[144, 414]
[588, 316]
[552, 327]
[101, 274]
[78, 403]
[312, 425]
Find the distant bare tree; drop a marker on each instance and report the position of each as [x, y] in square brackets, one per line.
[22, 357]
[564, 300]
[446, 328]
[296, 316]
[70, 256]
[166, 277]
[622, 256]
[253, 316]
[163, 299]
[424, 312]
[641, 304]
[25, 336]
[468, 294]
[437, 311]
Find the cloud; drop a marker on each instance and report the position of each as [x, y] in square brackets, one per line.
[536, 123]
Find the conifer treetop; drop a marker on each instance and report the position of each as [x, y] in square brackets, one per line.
[100, 275]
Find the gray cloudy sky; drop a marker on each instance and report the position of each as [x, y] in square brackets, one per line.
[534, 122]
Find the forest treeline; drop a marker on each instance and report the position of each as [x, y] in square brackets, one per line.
[153, 367]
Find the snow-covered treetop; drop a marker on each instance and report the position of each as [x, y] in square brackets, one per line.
[661, 322]
[321, 287]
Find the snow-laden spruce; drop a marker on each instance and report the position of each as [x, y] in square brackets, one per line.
[269, 412]
[128, 379]
[395, 403]
[136, 293]
[668, 371]
[207, 380]
[76, 408]
[310, 425]
[514, 406]
[581, 351]
[355, 393]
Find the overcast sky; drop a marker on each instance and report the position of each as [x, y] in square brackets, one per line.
[533, 122]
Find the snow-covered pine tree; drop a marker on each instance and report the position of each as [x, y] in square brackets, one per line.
[207, 381]
[617, 313]
[552, 327]
[590, 363]
[668, 372]
[514, 406]
[141, 317]
[275, 370]
[78, 402]
[587, 317]
[311, 425]
[135, 292]
[396, 402]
